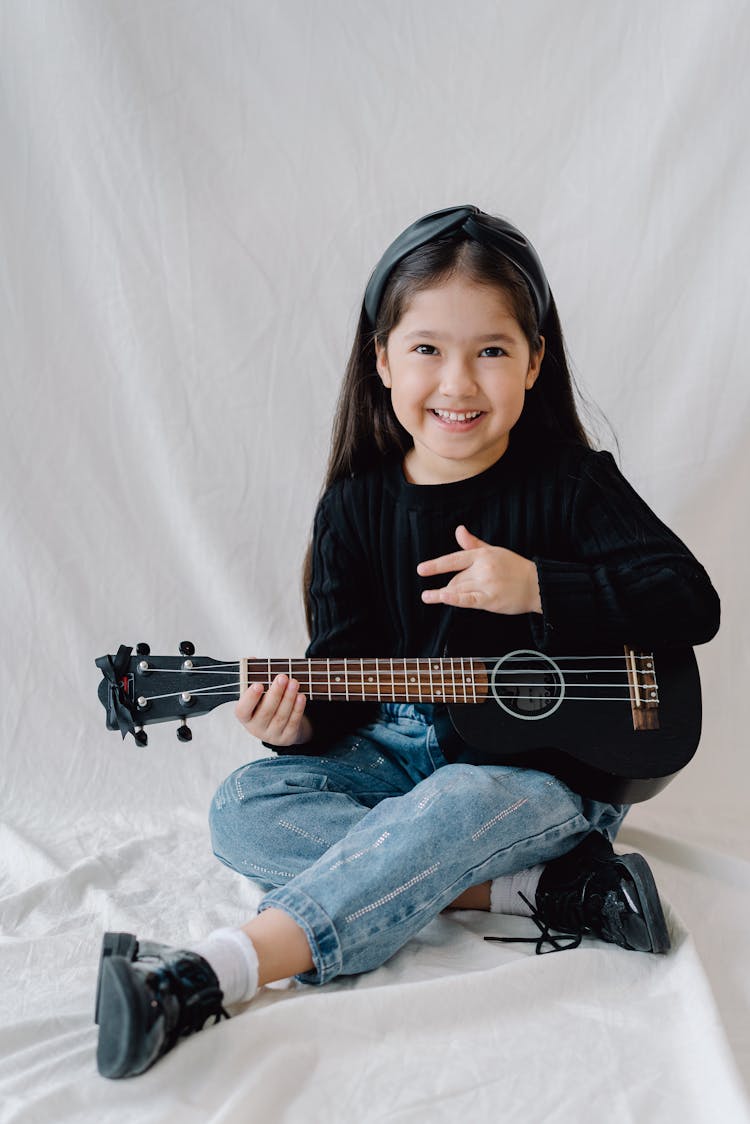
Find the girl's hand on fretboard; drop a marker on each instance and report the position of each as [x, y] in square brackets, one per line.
[275, 715]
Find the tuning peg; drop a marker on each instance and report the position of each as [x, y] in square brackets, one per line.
[184, 733]
[142, 649]
[141, 737]
[186, 648]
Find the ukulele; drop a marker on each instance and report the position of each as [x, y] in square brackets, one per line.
[615, 728]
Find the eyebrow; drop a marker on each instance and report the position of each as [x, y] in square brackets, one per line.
[479, 339]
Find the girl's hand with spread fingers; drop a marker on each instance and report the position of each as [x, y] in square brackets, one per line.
[275, 715]
[488, 577]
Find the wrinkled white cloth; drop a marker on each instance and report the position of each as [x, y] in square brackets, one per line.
[451, 1025]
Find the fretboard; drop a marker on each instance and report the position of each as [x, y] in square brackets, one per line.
[452, 680]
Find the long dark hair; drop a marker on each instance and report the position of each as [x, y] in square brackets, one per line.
[365, 428]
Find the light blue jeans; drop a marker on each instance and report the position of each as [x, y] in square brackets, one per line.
[365, 846]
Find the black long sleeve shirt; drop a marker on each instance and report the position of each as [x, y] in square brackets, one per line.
[610, 571]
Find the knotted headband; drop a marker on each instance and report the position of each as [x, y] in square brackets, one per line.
[496, 232]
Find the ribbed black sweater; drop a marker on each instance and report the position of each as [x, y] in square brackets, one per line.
[610, 571]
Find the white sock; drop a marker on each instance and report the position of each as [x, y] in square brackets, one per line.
[232, 955]
[504, 891]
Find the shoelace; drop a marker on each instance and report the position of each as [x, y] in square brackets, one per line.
[194, 1009]
[546, 937]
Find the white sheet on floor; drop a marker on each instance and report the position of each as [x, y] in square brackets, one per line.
[451, 1026]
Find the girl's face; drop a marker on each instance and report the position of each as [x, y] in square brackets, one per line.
[458, 367]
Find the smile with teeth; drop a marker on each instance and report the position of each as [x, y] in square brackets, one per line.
[455, 416]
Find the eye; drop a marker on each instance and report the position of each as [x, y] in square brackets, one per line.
[501, 350]
[419, 345]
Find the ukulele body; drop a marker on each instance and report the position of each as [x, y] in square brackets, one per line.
[592, 744]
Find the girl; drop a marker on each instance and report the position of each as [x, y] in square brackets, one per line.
[457, 450]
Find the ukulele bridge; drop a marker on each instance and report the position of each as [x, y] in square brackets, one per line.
[644, 692]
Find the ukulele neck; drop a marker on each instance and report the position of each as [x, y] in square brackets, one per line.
[445, 680]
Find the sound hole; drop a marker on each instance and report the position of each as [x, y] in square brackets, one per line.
[527, 685]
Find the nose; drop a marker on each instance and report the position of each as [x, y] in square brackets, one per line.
[457, 379]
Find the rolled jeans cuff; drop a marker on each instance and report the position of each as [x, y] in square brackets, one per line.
[318, 928]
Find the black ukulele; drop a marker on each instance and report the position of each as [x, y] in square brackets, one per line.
[616, 728]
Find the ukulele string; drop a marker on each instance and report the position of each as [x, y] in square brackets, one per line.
[457, 698]
[421, 661]
[232, 689]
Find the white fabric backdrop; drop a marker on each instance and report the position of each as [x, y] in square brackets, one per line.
[192, 198]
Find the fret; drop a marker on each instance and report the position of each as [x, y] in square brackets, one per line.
[346, 679]
[376, 680]
[407, 697]
[393, 679]
[243, 676]
[473, 680]
[463, 676]
[269, 671]
[328, 665]
[310, 679]
[419, 680]
[442, 675]
[432, 685]
[362, 677]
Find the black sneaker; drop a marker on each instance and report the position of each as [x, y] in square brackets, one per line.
[592, 891]
[147, 996]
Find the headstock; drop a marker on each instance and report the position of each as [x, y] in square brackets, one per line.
[139, 689]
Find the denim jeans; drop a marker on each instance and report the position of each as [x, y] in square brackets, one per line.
[366, 845]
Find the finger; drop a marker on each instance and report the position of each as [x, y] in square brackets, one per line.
[283, 731]
[285, 706]
[271, 699]
[446, 563]
[460, 598]
[468, 541]
[295, 718]
[290, 732]
[248, 701]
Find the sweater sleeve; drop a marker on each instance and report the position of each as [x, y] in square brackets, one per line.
[343, 621]
[631, 579]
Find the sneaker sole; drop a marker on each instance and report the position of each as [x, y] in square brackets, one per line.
[123, 1014]
[113, 944]
[656, 924]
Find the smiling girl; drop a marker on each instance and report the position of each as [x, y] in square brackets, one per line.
[457, 450]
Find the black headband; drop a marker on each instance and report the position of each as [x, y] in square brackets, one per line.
[495, 232]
